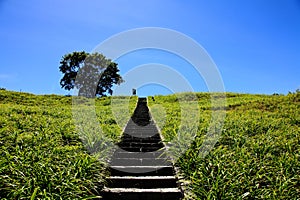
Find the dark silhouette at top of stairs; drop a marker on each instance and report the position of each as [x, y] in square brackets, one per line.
[140, 168]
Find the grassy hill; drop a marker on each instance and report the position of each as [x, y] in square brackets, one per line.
[257, 155]
[42, 155]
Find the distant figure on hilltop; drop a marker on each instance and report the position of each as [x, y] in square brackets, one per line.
[134, 92]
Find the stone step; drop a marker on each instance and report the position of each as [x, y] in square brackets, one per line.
[140, 144]
[142, 182]
[136, 126]
[144, 194]
[125, 154]
[141, 170]
[143, 135]
[133, 125]
[140, 162]
[141, 140]
[152, 137]
[139, 130]
[141, 149]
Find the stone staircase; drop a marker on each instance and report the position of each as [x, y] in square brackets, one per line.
[140, 169]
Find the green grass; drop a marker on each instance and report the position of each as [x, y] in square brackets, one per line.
[42, 155]
[43, 146]
[257, 155]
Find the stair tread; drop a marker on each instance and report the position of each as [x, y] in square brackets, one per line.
[149, 159]
[154, 190]
[141, 166]
[142, 177]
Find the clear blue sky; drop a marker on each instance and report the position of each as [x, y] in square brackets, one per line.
[254, 43]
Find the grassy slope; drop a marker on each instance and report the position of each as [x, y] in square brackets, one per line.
[41, 153]
[257, 156]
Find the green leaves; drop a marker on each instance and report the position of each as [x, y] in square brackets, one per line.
[92, 74]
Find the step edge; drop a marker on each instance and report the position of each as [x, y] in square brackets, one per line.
[139, 190]
[142, 166]
[142, 177]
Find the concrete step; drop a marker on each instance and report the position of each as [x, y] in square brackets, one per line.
[141, 140]
[140, 144]
[144, 194]
[140, 128]
[140, 162]
[125, 154]
[141, 170]
[152, 137]
[142, 182]
[133, 125]
[132, 122]
[137, 127]
[142, 135]
[141, 149]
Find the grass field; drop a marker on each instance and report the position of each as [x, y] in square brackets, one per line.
[43, 156]
[257, 155]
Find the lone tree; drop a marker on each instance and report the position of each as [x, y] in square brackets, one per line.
[92, 74]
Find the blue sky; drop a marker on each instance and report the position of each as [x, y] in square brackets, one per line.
[254, 43]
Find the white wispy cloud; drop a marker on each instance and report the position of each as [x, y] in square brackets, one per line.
[6, 76]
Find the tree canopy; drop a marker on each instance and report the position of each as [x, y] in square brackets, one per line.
[92, 74]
